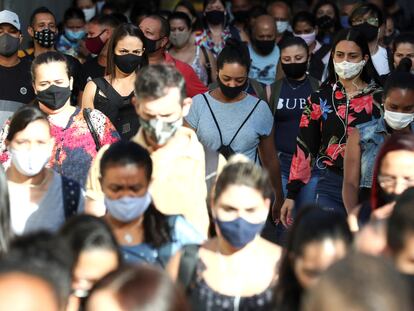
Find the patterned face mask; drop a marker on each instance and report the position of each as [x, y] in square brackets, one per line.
[46, 38]
[160, 131]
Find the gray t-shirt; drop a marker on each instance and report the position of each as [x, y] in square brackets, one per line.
[230, 117]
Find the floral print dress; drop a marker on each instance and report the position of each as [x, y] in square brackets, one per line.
[74, 147]
[325, 125]
[204, 38]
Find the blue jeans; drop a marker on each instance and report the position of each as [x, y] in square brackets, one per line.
[329, 192]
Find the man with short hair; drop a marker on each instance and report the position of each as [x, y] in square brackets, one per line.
[157, 31]
[178, 183]
[263, 50]
[280, 11]
[16, 84]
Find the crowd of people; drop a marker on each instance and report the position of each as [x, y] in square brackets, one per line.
[254, 155]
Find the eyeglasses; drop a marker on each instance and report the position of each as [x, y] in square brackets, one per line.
[391, 181]
[373, 21]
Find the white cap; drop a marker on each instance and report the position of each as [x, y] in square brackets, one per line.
[9, 17]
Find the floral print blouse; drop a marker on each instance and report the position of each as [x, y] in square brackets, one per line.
[204, 38]
[324, 127]
[74, 147]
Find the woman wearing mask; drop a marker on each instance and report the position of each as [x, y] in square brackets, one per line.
[327, 20]
[187, 7]
[241, 123]
[345, 100]
[216, 31]
[317, 240]
[144, 233]
[88, 8]
[304, 26]
[74, 31]
[95, 253]
[219, 275]
[184, 49]
[288, 100]
[365, 141]
[40, 198]
[403, 48]
[77, 133]
[113, 94]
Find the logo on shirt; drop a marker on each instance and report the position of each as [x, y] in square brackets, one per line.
[23, 90]
[291, 104]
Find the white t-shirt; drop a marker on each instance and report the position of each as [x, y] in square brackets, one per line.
[380, 60]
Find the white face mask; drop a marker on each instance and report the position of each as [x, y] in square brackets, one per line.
[282, 26]
[348, 70]
[30, 163]
[127, 209]
[398, 120]
[89, 13]
[309, 38]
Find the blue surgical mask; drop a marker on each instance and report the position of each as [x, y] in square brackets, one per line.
[74, 35]
[127, 209]
[239, 232]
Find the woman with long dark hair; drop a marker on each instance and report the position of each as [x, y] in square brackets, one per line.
[345, 100]
[144, 233]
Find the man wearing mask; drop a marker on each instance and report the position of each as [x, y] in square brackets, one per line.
[178, 183]
[43, 30]
[99, 30]
[280, 11]
[263, 50]
[157, 32]
[15, 80]
[368, 19]
[241, 10]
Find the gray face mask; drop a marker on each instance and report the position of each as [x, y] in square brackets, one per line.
[8, 45]
[160, 131]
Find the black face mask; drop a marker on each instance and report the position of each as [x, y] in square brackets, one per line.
[231, 92]
[151, 45]
[127, 63]
[368, 31]
[386, 198]
[295, 70]
[46, 38]
[241, 16]
[54, 97]
[325, 22]
[8, 45]
[215, 17]
[264, 47]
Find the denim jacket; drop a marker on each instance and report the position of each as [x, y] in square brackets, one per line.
[372, 135]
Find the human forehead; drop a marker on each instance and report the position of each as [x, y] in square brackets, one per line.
[51, 71]
[167, 104]
[241, 197]
[43, 18]
[398, 163]
[121, 174]
[8, 27]
[34, 130]
[150, 24]
[346, 46]
[293, 50]
[129, 42]
[405, 48]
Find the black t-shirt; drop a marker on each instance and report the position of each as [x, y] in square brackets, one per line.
[15, 88]
[90, 70]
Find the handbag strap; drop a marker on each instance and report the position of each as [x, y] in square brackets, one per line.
[87, 117]
[214, 118]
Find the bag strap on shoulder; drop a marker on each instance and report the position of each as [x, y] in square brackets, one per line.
[208, 63]
[214, 118]
[92, 130]
[70, 193]
[188, 265]
[105, 87]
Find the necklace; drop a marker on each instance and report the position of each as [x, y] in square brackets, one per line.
[128, 238]
[298, 86]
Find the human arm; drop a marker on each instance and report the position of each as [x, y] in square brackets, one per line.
[88, 95]
[352, 171]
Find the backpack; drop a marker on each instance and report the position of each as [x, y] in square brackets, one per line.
[70, 194]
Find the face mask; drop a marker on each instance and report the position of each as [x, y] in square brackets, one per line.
[151, 45]
[46, 38]
[74, 35]
[215, 17]
[385, 197]
[241, 16]
[282, 26]
[127, 63]
[95, 44]
[398, 120]
[160, 131]
[368, 31]
[325, 22]
[30, 163]
[345, 21]
[295, 70]
[264, 47]
[309, 38]
[239, 232]
[388, 39]
[8, 45]
[127, 209]
[231, 92]
[348, 70]
[179, 38]
[54, 97]
[89, 13]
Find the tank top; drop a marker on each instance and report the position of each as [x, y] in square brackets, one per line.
[117, 108]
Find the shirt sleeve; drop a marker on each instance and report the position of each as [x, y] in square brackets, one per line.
[307, 146]
[193, 83]
[266, 119]
[193, 116]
